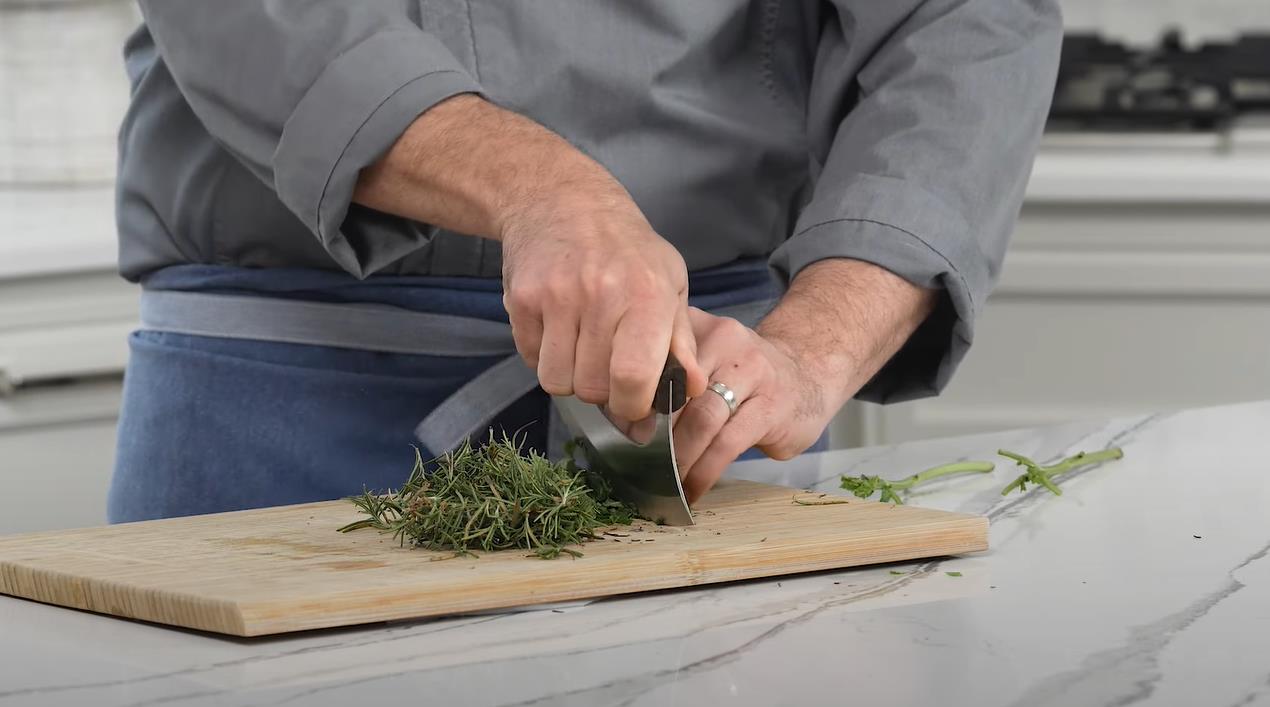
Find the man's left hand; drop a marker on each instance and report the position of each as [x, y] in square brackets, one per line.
[838, 324]
[780, 409]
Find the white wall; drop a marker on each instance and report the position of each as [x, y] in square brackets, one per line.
[1143, 20]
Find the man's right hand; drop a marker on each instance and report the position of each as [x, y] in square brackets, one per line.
[596, 298]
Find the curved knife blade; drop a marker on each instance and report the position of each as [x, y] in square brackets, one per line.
[640, 471]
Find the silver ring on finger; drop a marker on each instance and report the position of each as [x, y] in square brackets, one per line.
[729, 397]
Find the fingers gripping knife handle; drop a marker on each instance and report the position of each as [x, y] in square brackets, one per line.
[670, 398]
[640, 471]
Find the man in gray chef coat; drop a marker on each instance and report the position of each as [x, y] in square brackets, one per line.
[337, 208]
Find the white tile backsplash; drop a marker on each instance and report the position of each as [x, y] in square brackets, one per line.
[1142, 21]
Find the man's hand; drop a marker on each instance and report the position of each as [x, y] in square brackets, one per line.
[596, 298]
[838, 324]
[782, 411]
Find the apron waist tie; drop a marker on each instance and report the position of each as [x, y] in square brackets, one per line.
[388, 329]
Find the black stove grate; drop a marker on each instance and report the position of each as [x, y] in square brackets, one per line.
[1105, 85]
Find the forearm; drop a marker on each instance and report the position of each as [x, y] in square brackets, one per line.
[596, 298]
[842, 320]
[468, 166]
[926, 139]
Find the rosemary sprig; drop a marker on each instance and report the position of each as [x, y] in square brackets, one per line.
[864, 486]
[491, 497]
[1042, 475]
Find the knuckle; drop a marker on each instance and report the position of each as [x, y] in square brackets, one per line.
[715, 411]
[522, 297]
[588, 278]
[527, 352]
[628, 373]
[591, 393]
[733, 439]
[782, 452]
[608, 283]
[559, 289]
[703, 415]
[641, 281]
[526, 349]
[733, 329]
[555, 386]
[787, 446]
[756, 361]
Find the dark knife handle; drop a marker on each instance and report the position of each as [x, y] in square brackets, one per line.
[670, 398]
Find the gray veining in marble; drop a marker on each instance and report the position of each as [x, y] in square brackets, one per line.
[1101, 597]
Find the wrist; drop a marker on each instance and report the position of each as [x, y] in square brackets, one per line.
[832, 370]
[570, 187]
[842, 320]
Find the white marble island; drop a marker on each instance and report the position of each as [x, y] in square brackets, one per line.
[1148, 582]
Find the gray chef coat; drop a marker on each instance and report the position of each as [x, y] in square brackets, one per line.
[898, 132]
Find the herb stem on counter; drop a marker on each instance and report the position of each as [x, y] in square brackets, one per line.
[864, 486]
[1043, 475]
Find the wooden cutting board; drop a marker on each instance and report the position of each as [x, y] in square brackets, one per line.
[274, 570]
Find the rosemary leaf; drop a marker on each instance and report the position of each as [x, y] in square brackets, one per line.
[491, 497]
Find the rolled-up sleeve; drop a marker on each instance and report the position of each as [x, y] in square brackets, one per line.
[924, 120]
[306, 94]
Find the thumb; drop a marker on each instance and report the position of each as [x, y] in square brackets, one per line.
[683, 344]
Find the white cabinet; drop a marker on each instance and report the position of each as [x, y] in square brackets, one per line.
[64, 313]
[1134, 283]
[63, 347]
[57, 448]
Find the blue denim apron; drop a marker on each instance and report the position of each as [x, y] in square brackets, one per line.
[219, 423]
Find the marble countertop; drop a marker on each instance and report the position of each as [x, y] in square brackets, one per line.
[1148, 581]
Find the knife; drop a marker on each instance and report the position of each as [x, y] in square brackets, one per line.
[637, 459]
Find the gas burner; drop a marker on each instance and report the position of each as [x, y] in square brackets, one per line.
[1107, 86]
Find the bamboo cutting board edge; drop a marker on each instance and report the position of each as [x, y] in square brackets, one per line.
[265, 571]
[268, 618]
[249, 619]
[121, 599]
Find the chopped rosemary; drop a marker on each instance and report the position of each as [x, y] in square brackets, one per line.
[491, 497]
[826, 502]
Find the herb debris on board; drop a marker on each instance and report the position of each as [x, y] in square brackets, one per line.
[491, 497]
